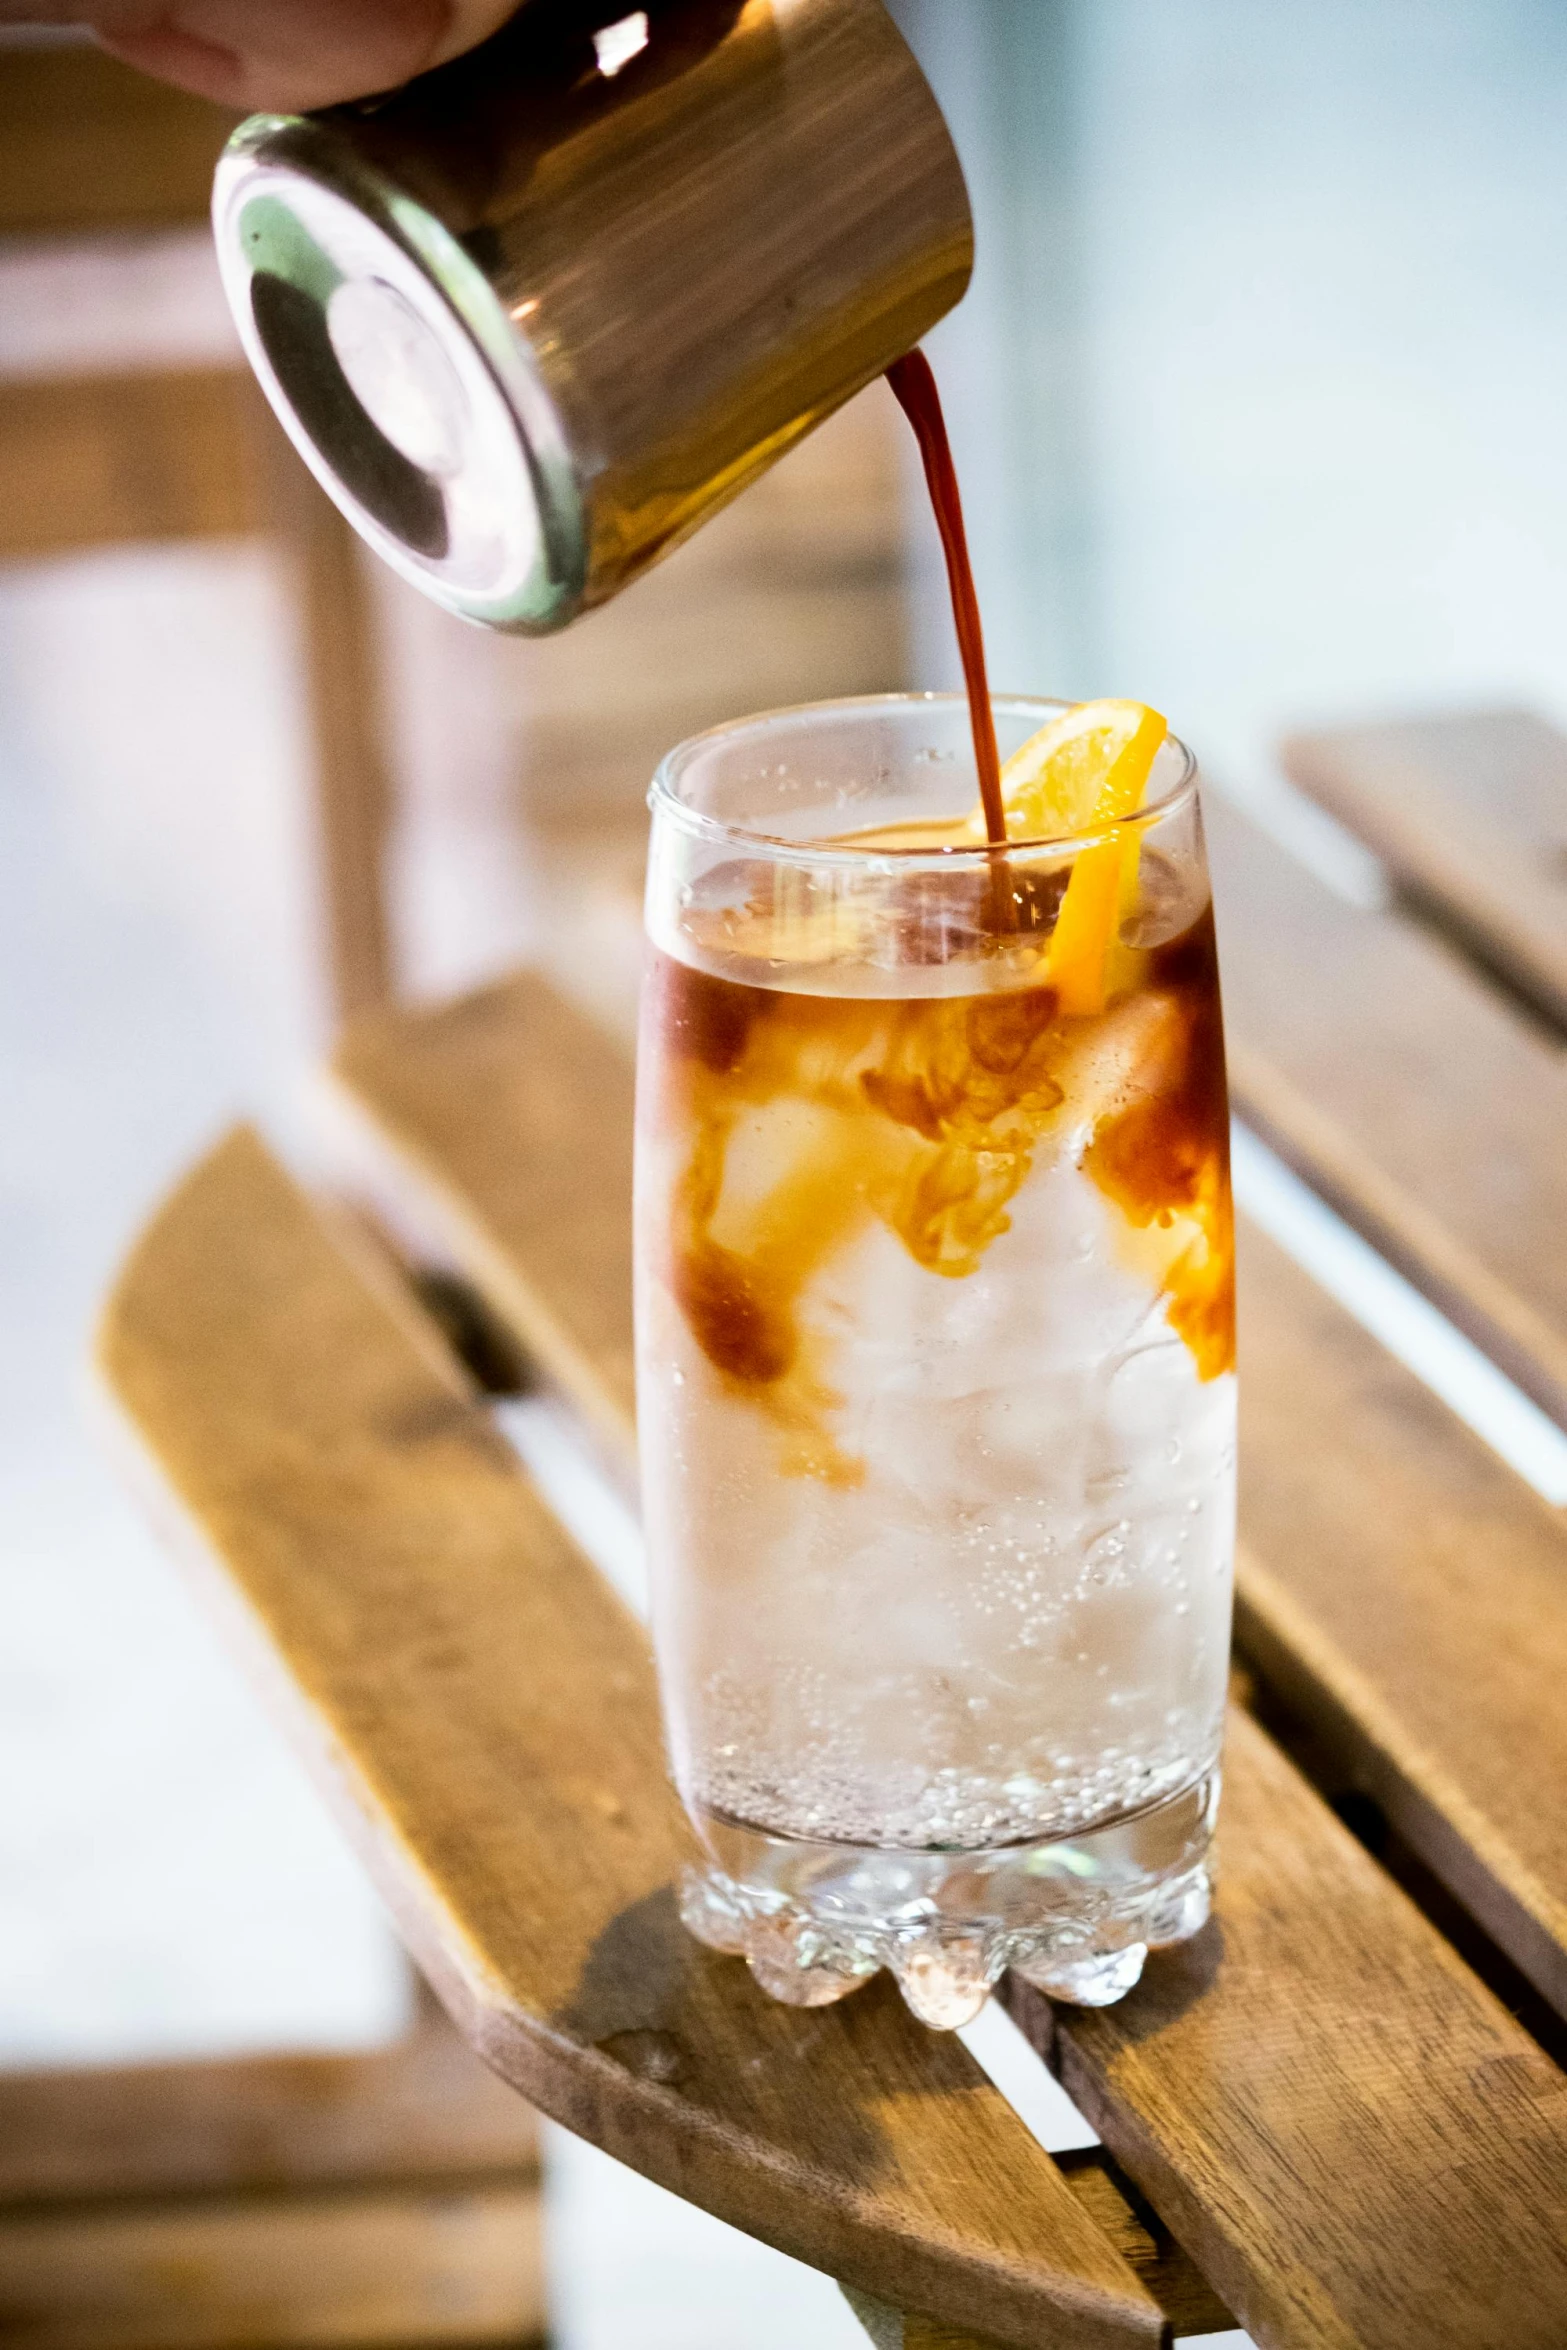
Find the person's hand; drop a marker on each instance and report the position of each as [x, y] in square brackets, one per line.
[278, 56]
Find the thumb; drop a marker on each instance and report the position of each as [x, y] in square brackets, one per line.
[277, 55]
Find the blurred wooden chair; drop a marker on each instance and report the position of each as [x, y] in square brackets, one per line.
[1319, 2115]
[390, 2197]
[301, 2199]
[109, 459]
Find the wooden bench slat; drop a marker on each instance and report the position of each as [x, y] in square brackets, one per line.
[1407, 1594]
[484, 1712]
[1470, 814]
[1408, 1093]
[1351, 2136]
[105, 460]
[450, 1092]
[1145, 2244]
[454, 2261]
[509, 1120]
[418, 2108]
[181, 453]
[886, 2328]
[1421, 1104]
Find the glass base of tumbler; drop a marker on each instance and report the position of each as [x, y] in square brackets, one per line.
[1076, 1915]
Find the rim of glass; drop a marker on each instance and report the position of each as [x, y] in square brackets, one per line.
[664, 797]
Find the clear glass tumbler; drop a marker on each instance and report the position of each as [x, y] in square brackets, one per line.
[935, 1347]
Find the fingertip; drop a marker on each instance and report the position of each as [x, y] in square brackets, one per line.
[204, 68]
[290, 56]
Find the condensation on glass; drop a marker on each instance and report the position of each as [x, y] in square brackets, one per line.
[935, 1365]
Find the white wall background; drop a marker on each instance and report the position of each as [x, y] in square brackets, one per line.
[1262, 388]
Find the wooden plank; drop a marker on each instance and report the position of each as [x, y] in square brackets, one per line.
[1353, 2139]
[886, 2328]
[508, 1117]
[1146, 2245]
[87, 143]
[1313, 2267]
[1408, 1595]
[1408, 1093]
[421, 2107]
[453, 2262]
[353, 787]
[484, 1713]
[1419, 1103]
[1470, 814]
[92, 461]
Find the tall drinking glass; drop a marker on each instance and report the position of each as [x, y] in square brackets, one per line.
[935, 1346]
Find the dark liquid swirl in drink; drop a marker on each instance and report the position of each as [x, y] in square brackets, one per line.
[932, 1110]
[933, 1113]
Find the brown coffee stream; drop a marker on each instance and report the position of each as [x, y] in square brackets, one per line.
[914, 387]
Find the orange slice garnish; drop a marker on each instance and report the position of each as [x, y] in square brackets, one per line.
[1086, 769]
